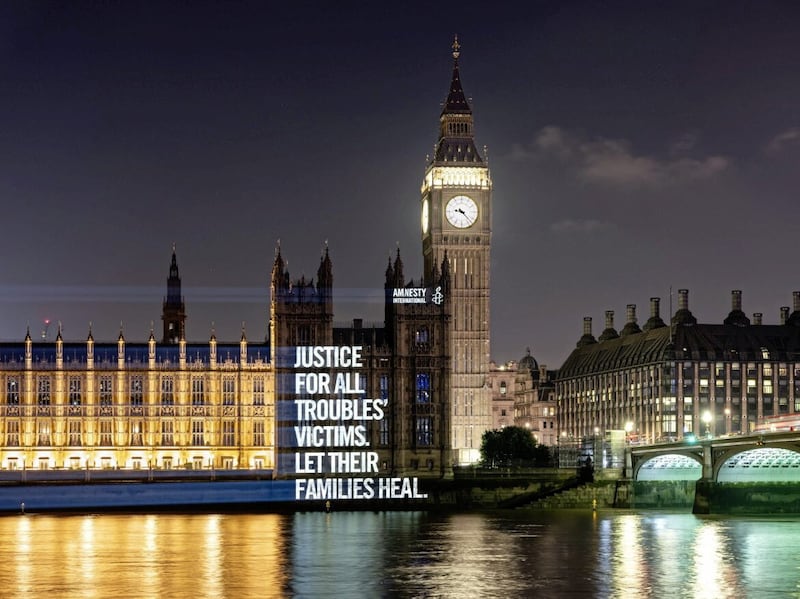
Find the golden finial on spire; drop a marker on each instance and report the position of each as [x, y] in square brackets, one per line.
[456, 47]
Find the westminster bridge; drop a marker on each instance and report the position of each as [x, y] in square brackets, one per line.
[760, 457]
[756, 473]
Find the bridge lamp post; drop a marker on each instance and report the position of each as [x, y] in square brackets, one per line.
[707, 420]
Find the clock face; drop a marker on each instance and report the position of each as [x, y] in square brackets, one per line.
[461, 211]
[425, 216]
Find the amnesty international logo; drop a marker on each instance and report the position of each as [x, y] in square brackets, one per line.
[417, 295]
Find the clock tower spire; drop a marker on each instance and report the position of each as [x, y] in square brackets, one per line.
[456, 203]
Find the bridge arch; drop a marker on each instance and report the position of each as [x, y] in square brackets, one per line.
[776, 463]
[670, 466]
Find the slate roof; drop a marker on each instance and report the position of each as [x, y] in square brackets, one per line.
[703, 342]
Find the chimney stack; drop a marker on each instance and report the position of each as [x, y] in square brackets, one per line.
[587, 338]
[757, 318]
[736, 300]
[609, 332]
[794, 317]
[784, 314]
[654, 302]
[683, 316]
[630, 327]
[683, 299]
[736, 316]
[654, 322]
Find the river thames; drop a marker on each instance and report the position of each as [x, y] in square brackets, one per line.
[399, 554]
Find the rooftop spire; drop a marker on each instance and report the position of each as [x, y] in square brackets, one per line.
[456, 100]
[456, 140]
[173, 310]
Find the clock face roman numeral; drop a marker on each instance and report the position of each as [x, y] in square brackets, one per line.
[461, 211]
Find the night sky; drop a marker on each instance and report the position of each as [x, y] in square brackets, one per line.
[634, 147]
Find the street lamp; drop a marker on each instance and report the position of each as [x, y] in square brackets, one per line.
[628, 431]
[707, 419]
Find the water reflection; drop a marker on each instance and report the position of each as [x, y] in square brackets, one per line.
[395, 554]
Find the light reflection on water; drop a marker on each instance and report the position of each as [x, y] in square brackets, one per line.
[396, 554]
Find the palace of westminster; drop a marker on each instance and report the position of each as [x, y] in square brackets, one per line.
[170, 404]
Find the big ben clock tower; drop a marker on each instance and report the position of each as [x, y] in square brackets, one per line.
[456, 206]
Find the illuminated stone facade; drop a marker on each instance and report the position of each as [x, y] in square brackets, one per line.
[523, 394]
[137, 406]
[166, 406]
[661, 382]
[456, 204]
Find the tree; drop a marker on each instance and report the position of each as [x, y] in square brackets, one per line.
[512, 446]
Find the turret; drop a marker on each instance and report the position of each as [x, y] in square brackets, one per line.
[173, 311]
[90, 349]
[120, 349]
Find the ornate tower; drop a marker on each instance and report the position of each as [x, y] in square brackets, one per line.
[301, 313]
[173, 311]
[456, 204]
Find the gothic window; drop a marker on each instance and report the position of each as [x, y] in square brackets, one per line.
[424, 431]
[167, 430]
[167, 391]
[105, 433]
[198, 392]
[228, 433]
[12, 391]
[198, 433]
[258, 433]
[136, 390]
[74, 438]
[228, 391]
[383, 425]
[74, 391]
[383, 431]
[258, 391]
[421, 335]
[136, 432]
[503, 388]
[106, 393]
[43, 391]
[43, 432]
[423, 388]
[12, 433]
